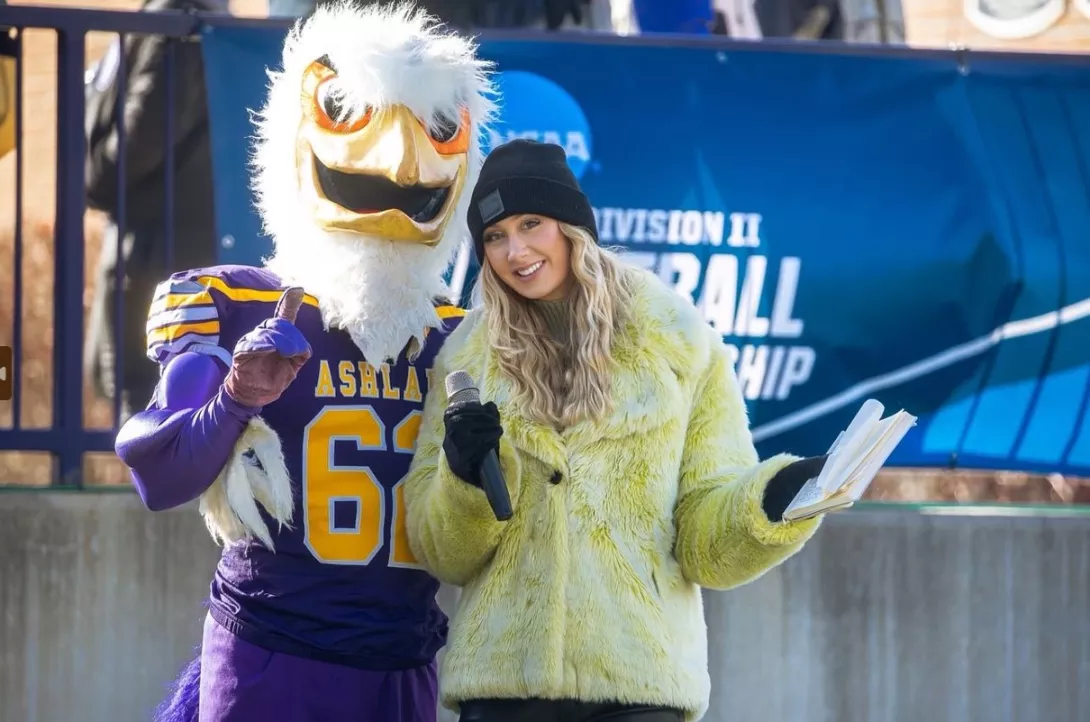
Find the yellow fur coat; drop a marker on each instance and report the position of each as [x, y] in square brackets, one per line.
[592, 590]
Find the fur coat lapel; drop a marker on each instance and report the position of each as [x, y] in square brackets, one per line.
[652, 361]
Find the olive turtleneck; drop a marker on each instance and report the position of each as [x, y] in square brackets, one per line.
[557, 315]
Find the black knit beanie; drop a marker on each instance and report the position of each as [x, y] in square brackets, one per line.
[524, 176]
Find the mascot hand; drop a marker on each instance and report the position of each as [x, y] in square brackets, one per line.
[472, 430]
[267, 359]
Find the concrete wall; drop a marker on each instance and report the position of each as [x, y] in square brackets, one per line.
[887, 615]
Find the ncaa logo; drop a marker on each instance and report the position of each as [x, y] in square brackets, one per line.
[536, 108]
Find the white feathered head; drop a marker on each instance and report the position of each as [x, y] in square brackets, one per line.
[367, 148]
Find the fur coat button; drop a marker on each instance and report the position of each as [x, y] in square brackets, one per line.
[556, 477]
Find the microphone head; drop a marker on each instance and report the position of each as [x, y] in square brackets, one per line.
[461, 388]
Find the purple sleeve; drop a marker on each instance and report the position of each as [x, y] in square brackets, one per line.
[177, 447]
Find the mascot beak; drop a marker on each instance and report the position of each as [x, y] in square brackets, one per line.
[381, 172]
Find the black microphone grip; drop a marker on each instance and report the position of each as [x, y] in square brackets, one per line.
[495, 488]
[461, 388]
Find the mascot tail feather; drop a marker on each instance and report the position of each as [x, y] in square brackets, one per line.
[182, 704]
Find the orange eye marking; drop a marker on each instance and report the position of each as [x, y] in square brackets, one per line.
[460, 142]
[316, 81]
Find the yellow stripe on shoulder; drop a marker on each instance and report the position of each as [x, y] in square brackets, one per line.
[166, 334]
[175, 301]
[249, 294]
[445, 312]
[450, 311]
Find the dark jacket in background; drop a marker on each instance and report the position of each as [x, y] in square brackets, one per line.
[785, 18]
[144, 243]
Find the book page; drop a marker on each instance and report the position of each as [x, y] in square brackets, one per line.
[893, 430]
[851, 446]
[855, 458]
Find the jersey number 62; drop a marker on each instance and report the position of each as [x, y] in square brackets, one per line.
[325, 484]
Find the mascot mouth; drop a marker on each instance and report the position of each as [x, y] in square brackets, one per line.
[366, 194]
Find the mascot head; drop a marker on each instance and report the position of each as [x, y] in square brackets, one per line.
[366, 151]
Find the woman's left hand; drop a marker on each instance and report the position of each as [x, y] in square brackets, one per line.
[786, 484]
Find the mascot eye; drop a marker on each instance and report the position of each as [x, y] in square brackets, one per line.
[444, 129]
[332, 106]
[337, 115]
[451, 136]
[327, 108]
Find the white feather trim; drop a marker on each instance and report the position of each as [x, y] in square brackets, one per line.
[230, 506]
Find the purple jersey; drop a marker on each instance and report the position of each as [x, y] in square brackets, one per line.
[343, 584]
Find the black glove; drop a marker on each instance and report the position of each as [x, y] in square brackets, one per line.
[787, 483]
[472, 430]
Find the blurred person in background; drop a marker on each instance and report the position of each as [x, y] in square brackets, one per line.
[455, 13]
[798, 19]
[485, 14]
[144, 245]
[690, 17]
[743, 19]
[617, 419]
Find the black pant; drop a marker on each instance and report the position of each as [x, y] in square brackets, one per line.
[541, 710]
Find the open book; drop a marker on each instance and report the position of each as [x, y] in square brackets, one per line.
[854, 460]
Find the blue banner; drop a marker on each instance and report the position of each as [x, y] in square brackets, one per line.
[913, 229]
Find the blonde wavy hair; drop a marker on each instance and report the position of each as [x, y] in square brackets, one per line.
[561, 384]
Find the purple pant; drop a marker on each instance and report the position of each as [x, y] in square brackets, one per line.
[244, 683]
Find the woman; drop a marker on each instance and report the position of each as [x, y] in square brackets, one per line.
[624, 443]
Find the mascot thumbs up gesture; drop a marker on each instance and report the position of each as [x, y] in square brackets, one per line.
[268, 358]
[290, 395]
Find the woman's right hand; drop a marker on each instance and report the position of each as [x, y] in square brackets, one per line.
[472, 430]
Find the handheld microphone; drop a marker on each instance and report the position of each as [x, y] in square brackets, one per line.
[460, 389]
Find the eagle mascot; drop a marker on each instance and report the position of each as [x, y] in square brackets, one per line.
[290, 395]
